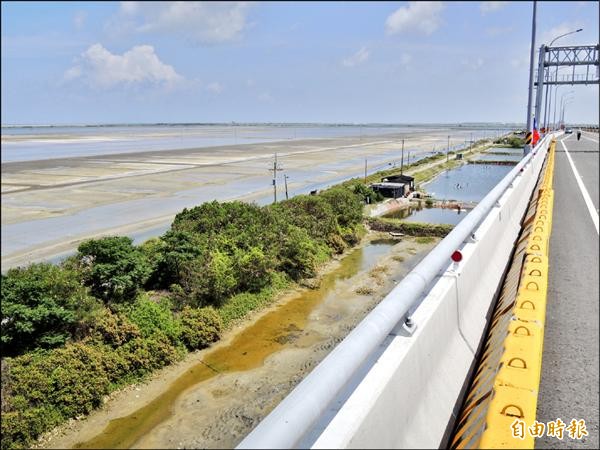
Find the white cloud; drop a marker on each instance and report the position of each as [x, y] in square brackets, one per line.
[214, 87]
[405, 58]
[421, 17]
[488, 7]
[358, 58]
[100, 68]
[79, 19]
[202, 22]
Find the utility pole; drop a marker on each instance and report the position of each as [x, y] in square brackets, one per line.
[448, 150]
[402, 160]
[529, 131]
[285, 178]
[275, 169]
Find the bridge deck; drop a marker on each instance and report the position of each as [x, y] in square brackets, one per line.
[569, 383]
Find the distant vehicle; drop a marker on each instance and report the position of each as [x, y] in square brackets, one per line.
[569, 131]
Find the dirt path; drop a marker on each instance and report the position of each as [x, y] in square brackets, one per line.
[220, 411]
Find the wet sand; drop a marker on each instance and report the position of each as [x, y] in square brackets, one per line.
[49, 206]
[220, 411]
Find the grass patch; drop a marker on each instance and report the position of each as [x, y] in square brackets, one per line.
[398, 258]
[424, 239]
[364, 290]
[409, 228]
[238, 306]
[378, 271]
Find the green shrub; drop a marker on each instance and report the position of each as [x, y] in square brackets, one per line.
[241, 304]
[113, 268]
[42, 304]
[152, 318]
[72, 379]
[253, 269]
[200, 327]
[300, 255]
[312, 213]
[143, 355]
[21, 428]
[515, 142]
[346, 205]
[180, 250]
[113, 330]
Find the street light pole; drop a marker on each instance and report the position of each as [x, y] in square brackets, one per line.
[546, 109]
[527, 147]
[562, 98]
[563, 111]
[402, 158]
[448, 150]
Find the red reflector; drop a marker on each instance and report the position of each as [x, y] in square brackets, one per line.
[456, 256]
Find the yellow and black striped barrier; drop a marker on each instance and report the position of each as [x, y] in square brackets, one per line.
[502, 399]
[528, 137]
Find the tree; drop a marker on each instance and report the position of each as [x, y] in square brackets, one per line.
[113, 268]
[41, 306]
[254, 269]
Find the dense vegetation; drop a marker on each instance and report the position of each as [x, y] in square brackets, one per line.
[512, 141]
[114, 312]
[409, 228]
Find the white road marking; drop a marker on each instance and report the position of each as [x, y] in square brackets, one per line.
[589, 138]
[584, 192]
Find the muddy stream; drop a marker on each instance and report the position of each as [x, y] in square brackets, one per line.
[240, 379]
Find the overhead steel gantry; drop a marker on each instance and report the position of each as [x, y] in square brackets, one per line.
[575, 56]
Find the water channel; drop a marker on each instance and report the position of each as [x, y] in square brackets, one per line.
[280, 328]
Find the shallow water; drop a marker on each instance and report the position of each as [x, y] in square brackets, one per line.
[280, 328]
[59, 142]
[468, 183]
[46, 142]
[429, 215]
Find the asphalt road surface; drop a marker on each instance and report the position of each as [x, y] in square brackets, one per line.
[569, 385]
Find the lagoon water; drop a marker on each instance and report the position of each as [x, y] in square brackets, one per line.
[429, 215]
[467, 183]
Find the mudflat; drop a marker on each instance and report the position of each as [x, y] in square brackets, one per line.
[49, 206]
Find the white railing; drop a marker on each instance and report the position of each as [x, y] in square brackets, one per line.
[306, 415]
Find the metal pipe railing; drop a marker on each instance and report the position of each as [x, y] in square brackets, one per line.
[286, 425]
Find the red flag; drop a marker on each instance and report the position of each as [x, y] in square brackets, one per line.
[536, 135]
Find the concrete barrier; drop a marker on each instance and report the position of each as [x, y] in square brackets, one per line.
[388, 206]
[405, 392]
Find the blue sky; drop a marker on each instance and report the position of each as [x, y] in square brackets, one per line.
[392, 62]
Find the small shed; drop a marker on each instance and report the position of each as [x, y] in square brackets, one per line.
[403, 179]
[391, 190]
